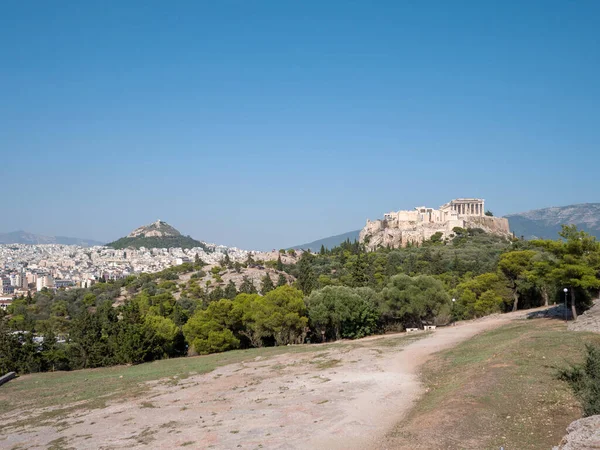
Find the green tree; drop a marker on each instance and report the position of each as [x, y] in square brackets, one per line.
[227, 261]
[436, 238]
[359, 271]
[54, 355]
[230, 290]
[306, 276]
[281, 280]
[266, 284]
[210, 330]
[287, 319]
[198, 263]
[516, 266]
[250, 260]
[340, 312]
[413, 301]
[253, 314]
[247, 286]
[540, 274]
[216, 294]
[10, 349]
[279, 265]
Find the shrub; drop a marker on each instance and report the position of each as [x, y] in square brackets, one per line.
[216, 341]
[584, 379]
[341, 312]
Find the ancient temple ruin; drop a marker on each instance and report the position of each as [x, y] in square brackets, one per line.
[399, 228]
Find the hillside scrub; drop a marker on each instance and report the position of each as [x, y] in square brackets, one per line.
[584, 379]
[344, 292]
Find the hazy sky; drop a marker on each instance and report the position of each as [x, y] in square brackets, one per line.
[264, 124]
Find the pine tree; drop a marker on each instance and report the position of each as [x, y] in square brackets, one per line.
[282, 280]
[359, 272]
[247, 286]
[227, 261]
[230, 290]
[306, 276]
[250, 260]
[279, 265]
[216, 294]
[322, 252]
[266, 285]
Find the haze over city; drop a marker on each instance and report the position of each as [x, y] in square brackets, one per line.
[267, 124]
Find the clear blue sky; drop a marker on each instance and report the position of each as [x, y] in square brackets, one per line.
[264, 124]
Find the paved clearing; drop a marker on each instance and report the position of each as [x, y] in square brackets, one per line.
[342, 396]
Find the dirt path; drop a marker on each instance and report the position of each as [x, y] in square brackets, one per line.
[345, 396]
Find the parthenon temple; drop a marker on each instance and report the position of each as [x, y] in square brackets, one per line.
[453, 210]
[465, 206]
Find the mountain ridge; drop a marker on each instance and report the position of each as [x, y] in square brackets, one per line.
[536, 223]
[25, 237]
[545, 223]
[328, 242]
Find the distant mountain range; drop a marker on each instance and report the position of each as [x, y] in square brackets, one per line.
[24, 237]
[540, 223]
[546, 223]
[329, 242]
[158, 234]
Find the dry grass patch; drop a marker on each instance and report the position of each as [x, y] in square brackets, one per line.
[499, 389]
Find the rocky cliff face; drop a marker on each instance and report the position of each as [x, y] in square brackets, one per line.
[156, 229]
[380, 233]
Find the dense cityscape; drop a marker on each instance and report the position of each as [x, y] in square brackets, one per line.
[25, 269]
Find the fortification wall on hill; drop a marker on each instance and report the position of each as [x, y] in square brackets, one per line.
[381, 233]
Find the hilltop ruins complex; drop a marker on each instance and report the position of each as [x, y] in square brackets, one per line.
[398, 229]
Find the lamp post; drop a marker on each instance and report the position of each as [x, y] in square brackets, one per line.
[453, 302]
[565, 290]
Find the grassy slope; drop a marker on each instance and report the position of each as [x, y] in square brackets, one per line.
[498, 389]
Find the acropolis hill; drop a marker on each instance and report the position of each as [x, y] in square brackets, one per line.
[398, 229]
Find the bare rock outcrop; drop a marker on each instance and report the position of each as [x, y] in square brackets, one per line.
[398, 229]
[589, 320]
[582, 434]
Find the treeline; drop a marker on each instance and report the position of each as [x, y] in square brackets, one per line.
[344, 292]
[483, 273]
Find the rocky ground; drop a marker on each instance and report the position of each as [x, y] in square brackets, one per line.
[583, 434]
[342, 396]
[589, 320]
